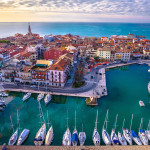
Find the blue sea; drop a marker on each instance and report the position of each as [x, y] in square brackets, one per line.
[82, 29]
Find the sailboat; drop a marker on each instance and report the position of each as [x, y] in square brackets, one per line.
[24, 134]
[67, 136]
[40, 96]
[82, 137]
[149, 87]
[142, 134]
[47, 98]
[49, 135]
[96, 136]
[13, 138]
[75, 134]
[26, 96]
[40, 136]
[121, 138]
[105, 135]
[148, 131]
[135, 137]
[114, 137]
[127, 134]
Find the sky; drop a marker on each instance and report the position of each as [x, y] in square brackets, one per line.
[75, 11]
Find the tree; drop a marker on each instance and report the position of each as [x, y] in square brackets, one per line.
[96, 58]
[87, 58]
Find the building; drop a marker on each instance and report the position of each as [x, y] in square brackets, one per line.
[5, 55]
[146, 52]
[123, 56]
[58, 72]
[104, 53]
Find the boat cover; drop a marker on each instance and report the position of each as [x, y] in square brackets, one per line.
[115, 141]
[74, 137]
[134, 134]
[141, 130]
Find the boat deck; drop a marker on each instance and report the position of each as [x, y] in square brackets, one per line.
[77, 148]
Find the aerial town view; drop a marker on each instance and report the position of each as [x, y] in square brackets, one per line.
[75, 79]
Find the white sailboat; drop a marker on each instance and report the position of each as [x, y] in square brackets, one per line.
[67, 136]
[26, 96]
[96, 136]
[114, 137]
[142, 134]
[40, 96]
[75, 134]
[49, 135]
[148, 131]
[40, 136]
[149, 87]
[82, 137]
[23, 136]
[13, 138]
[121, 138]
[135, 137]
[127, 134]
[47, 98]
[105, 135]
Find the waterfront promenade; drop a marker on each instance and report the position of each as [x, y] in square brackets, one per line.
[134, 147]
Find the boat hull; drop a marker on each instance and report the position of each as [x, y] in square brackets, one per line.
[49, 136]
[13, 138]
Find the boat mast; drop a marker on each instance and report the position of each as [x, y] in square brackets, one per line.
[131, 122]
[96, 120]
[48, 119]
[116, 121]
[11, 124]
[107, 118]
[18, 120]
[141, 124]
[148, 127]
[75, 119]
[67, 119]
[123, 124]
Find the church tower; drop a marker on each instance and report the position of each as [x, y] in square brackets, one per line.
[29, 30]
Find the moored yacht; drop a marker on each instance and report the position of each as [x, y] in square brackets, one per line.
[136, 138]
[13, 138]
[26, 96]
[23, 136]
[47, 98]
[142, 134]
[75, 135]
[105, 135]
[40, 96]
[3, 94]
[82, 137]
[141, 103]
[127, 136]
[49, 136]
[96, 136]
[40, 136]
[67, 136]
[114, 137]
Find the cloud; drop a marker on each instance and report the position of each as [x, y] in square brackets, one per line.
[95, 7]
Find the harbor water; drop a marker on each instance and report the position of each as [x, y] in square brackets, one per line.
[126, 86]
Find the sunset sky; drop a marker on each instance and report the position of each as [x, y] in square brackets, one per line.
[75, 10]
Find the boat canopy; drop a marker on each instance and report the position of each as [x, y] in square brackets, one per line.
[141, 130]
[116, 141]
[75, 137]
[134, 134]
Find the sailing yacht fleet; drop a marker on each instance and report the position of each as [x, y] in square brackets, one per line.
[125, 136]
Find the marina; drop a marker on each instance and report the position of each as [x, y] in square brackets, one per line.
[59, 104]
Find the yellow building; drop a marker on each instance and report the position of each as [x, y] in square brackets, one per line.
[44, 62]
[104, 53]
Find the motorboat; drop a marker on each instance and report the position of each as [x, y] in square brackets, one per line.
[3, 94]
[26, 96]
[148, 70]
[47, 98]
[67, 136]
[136, 138]
[82, 138]
[149, 87]
[75, 135]
[13, 138]
[96, 136]
[40, 96]
[105, 135]
[142, 134]
[2, 103]
[49, 136]
[121, 138]
[141, 103]
[40, 136]
[127, 135]
[23, 136]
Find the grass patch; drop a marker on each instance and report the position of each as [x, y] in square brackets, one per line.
[78, 84]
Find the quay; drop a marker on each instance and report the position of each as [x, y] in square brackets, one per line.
[129, 147]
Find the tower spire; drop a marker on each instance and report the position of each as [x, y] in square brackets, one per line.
[29, 29]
